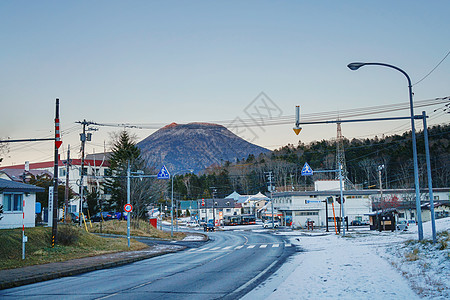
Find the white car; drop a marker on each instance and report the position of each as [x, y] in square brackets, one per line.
[192, 224]
[268, 224]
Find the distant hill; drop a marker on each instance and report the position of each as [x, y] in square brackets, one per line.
[195, 146]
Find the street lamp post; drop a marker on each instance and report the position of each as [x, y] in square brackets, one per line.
[355, 66]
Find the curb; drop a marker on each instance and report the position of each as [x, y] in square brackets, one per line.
[84, 269]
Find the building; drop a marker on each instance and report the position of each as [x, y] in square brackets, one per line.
[359, 205]
[93, 172]
[250, 203]
[298, 207]
[217, 209]
[19, 204]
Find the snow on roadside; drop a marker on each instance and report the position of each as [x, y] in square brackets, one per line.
[364, 264]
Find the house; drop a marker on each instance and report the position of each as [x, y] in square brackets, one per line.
[441, 210]
[250, 203]
[217, 209]
[404, 202]
[19, 204]
[93, 173]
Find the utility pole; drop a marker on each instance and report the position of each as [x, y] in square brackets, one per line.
[66, 198]
[380, 168]
[214, 191]
[83, 139]
[269, 177]
[55, 175]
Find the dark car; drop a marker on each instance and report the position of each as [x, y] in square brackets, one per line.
[209, 227]
[106, 216]
[356, 223]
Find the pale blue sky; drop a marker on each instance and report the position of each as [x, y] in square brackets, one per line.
[185, 61]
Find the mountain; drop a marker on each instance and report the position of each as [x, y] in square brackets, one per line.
[195, 146]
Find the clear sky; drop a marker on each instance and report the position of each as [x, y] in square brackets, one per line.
[157, 62]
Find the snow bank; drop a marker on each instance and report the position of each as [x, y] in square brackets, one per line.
[364, 264]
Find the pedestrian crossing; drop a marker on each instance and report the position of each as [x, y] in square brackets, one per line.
[231, 248]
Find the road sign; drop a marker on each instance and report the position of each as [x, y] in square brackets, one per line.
[313, 201]
[128, 207]
[307, 171]
[163, 173]
[338, 200]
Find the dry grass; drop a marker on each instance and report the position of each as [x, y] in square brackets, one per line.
[412, 256]
[138, 228]
[39, 250]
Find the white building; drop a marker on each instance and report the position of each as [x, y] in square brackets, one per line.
[94, 170]
[299, 207]
[19, 204]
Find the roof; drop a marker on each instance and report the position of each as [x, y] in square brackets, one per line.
[12, 186]
[17, 174]
[246, 198]
[61, 163]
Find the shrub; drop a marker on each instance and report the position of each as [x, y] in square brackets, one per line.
[67, 235]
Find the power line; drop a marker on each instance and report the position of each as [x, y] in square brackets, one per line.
[289, 119]
[448, 53]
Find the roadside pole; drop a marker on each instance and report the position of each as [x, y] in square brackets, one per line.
[342, 200]
[430, 181]
[55, 176]
[24, 237]
[128, 203]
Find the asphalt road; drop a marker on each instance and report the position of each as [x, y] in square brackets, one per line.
[227, 267]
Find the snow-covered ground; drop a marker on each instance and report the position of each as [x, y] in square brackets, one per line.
[363, 265]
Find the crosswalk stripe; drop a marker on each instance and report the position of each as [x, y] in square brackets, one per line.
[275, 245]
[215, 248]
[251, 246]
[239, 247]
[203, 249]
[287, 245]
[228, 247]
[263, 246]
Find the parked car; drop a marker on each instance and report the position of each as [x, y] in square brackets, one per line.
[402, 225]
[268, 224]
[119, 216]
[73, 216]
[192, 224]
[106, 216]
[355, 223]
[411, 222]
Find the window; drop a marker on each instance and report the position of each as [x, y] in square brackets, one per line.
[62, 172]
[12, 202]
[401, 215]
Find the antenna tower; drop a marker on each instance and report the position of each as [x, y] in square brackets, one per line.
[340, 158]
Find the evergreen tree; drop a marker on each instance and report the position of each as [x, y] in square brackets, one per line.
[124, 151]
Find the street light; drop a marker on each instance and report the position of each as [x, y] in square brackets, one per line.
[171, 210]
[355, 66]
